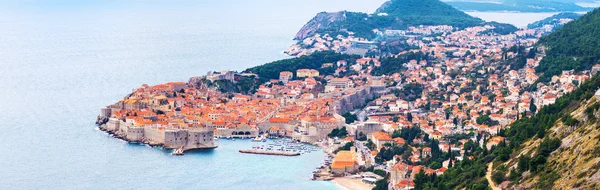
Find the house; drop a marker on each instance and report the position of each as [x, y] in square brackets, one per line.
[285, 76]
[595, 69]
[494, 141]
[399, 141]
[399, 172]
[276, 131]
[325, 65]
[404, 185]
[345, 161]
[436, 135]
[342, 83]
[426, 152]
[240, 97]
[300, 73]
[380, 138]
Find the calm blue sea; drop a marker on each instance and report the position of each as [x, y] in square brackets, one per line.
[61, 60]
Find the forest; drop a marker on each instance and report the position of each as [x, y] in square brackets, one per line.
[576, 46]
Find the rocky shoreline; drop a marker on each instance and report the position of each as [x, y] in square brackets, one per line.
[176, 152]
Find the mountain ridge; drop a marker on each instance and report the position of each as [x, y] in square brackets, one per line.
[519, 6]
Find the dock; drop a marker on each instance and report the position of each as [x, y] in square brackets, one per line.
[270, 152]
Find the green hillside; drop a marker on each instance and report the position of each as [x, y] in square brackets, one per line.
[398, 15]
[554, 149]
[553, 19]
[574, 46]
[427, 12]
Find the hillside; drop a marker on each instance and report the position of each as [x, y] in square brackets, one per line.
[313, 61]
[553, 20]
[554, 149]
[427, 12]
[574, 164]
[574, 46]
[527, 157]
[395, 14]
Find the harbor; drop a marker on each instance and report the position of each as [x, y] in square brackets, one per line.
[279, 146]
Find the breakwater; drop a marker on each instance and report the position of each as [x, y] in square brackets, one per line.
[268, 152]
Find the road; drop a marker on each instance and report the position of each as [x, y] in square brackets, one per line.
[488, 176]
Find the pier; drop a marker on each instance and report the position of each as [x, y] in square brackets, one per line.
[270, 152]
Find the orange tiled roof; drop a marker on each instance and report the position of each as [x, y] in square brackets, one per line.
[381, 136]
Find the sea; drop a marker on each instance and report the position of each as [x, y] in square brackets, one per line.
[61, 60]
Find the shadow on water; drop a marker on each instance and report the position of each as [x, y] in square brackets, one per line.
[201, 151]
[170, 150]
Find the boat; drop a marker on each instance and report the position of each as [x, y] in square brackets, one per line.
[257, 139]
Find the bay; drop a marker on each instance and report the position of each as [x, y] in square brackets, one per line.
[61, 60]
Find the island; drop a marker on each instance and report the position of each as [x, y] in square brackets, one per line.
[535, 6]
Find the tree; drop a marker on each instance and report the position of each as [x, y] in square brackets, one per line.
[339, 133]
[361, 137]
[371, 145]
[420, 180]
[523, 164]
[435, 165]
[532, 106]
[346, 146]
[498, 177]
[485, 119]
[381, 184]
[350, 118]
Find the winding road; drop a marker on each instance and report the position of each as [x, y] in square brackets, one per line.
[488, 176]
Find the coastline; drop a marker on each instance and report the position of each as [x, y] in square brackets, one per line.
[176, 151]
[351, 184]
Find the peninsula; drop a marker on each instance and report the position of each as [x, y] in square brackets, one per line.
[417, 107]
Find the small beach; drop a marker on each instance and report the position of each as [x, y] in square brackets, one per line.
[351, 184]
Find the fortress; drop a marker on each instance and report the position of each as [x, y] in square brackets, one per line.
[169, 137]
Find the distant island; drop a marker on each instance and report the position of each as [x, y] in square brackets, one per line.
[555, 20]
[519, 6]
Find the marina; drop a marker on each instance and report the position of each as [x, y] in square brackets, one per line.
[282, 145]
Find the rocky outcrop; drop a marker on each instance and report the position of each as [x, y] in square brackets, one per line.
[100, 120]
[383, 7]
[323, 20]
[198, 82]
